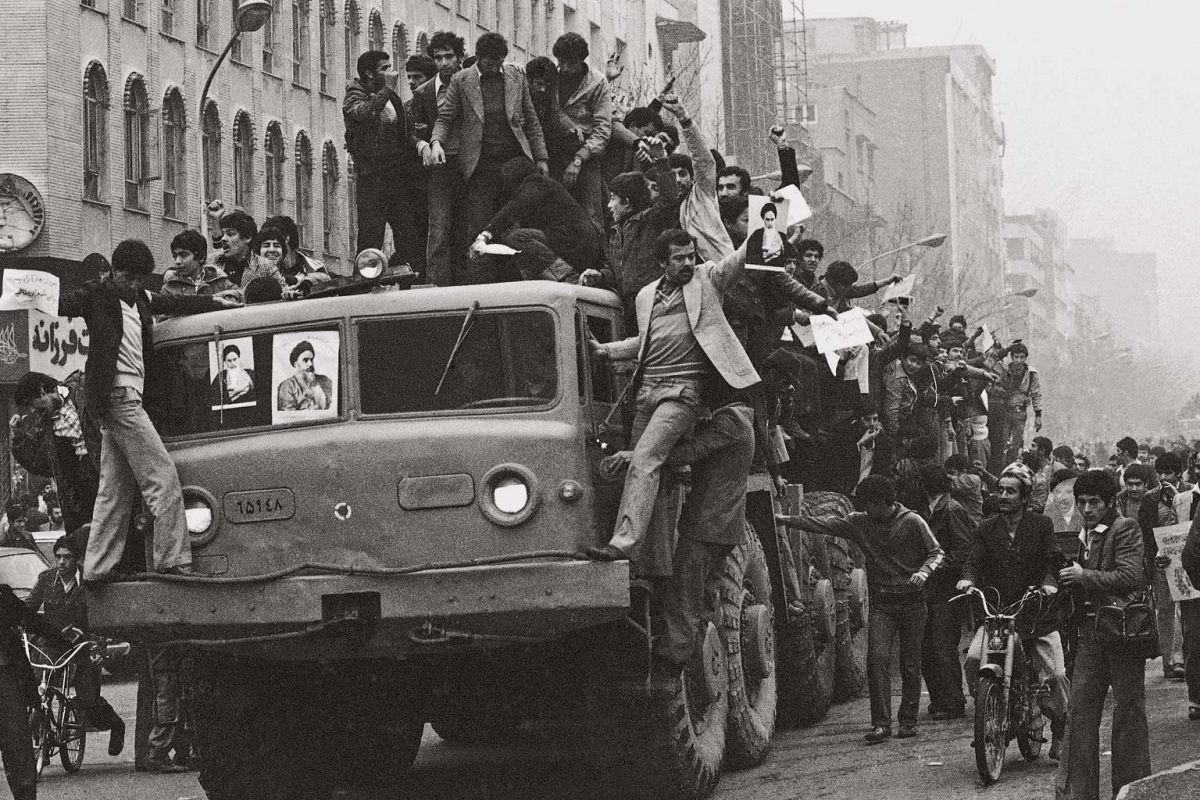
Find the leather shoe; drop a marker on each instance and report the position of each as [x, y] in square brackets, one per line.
[161, 765]
[907, 732]
[878, 735]
[116, 738]
[179, 569]
[606, 553]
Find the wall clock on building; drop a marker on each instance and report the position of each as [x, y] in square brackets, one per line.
[22, 213]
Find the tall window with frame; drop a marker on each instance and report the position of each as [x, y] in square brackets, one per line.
[274, 162]
[353, 23]
[235, 52]
[300, 9]
[375, 31]
[131, 10]
[243, 161]
[204, 24]
[166, 22]
[95, 133]
[174, 156]
[325, 32]
[271, 58]
[137, 142]
[211, 141]
[304, 176]
[329, 194]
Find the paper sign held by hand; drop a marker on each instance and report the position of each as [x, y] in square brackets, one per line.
[499, 250]
[897, 290]
[986, 340]
[848, 330]
[797, 207]
[1171, 539]
[757, 203]
[25, 289]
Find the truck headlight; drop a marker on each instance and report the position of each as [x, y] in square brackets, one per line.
[200, 514]
[510, 494]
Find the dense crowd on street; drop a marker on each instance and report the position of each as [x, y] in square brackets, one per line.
[923, 425]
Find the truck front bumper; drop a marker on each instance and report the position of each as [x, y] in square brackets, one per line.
[410, 615]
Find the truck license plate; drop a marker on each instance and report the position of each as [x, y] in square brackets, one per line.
[260, 506]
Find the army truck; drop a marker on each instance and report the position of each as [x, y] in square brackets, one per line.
[388, 495]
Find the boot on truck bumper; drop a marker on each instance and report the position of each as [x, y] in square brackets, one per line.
[414, 614]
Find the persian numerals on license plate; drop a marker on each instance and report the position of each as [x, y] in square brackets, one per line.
[260, 506]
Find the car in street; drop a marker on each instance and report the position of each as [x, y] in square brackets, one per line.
[19, 568]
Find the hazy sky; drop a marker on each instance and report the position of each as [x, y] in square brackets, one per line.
[1101, 110]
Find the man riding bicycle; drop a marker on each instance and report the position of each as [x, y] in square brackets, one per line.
[61, 595]
[1010, 552]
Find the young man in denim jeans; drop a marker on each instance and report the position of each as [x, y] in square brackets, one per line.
[132, 457]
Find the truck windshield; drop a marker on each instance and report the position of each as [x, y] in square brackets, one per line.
[507, 361]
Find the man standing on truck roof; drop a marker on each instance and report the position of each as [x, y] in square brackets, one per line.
[132, 457]
[682, 336]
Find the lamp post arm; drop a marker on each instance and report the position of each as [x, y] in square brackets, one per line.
[888, 253]
[200, 127]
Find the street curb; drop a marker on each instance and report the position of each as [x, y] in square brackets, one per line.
[1159, 784]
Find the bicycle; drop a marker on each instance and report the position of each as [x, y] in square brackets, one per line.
[57, 725]
[1007, 702]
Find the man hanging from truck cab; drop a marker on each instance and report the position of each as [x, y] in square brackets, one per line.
[683, 337]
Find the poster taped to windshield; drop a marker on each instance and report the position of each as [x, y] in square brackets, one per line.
[231, 374]
[304, 376]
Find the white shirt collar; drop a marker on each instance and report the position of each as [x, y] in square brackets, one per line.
[437, 84]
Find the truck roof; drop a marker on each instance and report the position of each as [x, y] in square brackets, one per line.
[451, 298]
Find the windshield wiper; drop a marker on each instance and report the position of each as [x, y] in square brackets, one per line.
[467, 322]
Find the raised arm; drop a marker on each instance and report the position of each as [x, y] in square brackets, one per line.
[825, 525]
[727, 270]
[363, 107]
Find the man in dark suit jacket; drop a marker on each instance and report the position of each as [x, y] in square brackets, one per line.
[1011, 552]
[489, 109]
[1112, 564]
[447, 240]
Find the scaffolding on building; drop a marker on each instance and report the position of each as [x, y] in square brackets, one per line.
[766, 69]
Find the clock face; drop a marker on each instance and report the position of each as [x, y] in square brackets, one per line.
[22, 213]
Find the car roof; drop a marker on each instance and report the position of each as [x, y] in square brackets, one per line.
[450, 298]
[18, 551]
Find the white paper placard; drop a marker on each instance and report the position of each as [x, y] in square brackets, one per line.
[1171, 539]
[27, 288]
[848, 330]
[897, 290]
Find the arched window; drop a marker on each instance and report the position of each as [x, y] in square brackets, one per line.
[211, 138]
[353, 23]
[300, 9]
[329, 194]
[95, 133]
[422, 43]
[271, 57]
[174, 181]
[304, 176]
[375, 31]
[274, 158]
[351, 206]
[243, 162]
[137, 142]
[399, 45]
[325, 31]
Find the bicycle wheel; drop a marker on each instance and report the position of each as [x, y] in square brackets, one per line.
[72, 738]
[39, 725]
[991, 721]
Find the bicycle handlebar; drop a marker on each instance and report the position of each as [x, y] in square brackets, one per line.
[62, 662]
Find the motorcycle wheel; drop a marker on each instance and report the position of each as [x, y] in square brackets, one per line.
[991, 734]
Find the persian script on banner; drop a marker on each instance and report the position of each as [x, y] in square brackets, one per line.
[27, 288]
[848, 330]
[1171, 539]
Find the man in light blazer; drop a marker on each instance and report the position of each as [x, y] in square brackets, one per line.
[682, 338]
[489, 109]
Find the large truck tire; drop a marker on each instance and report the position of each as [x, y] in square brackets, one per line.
[663, 739]
[748, 628]
[806, 657]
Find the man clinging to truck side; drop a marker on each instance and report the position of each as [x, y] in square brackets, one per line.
[682, 337]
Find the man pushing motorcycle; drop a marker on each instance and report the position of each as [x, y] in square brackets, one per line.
[1009, 553]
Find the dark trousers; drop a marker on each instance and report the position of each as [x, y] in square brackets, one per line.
[895, 617]
[385, 197]
[1189, 616]
[696, 564]
[99, 713]
[940, 665]
[1096, 669]
[15, 748]
[446, 250]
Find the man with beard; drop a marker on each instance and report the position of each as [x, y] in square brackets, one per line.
[233, 383]
[306, 390]
[1009, 553]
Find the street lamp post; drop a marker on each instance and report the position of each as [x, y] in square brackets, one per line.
[250, 16]
[1030, 292]
[933, 240]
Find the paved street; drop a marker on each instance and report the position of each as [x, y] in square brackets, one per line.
[826, 761]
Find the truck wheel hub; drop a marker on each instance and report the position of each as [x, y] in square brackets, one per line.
[758, 642]
[713, 678]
